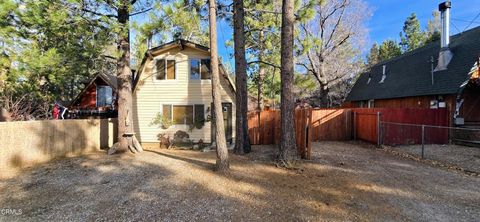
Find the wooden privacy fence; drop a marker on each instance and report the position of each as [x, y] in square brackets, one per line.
[331, 124]
[371, 125]
[264, 129]
[31, 142]
[310, 125]
[400, 126]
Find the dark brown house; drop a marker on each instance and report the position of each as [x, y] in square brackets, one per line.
[441, 75]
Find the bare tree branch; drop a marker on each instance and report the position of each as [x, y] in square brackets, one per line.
[140, 12]
[263, 62]
[98, 14]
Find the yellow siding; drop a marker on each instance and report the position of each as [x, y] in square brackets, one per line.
[151, 94]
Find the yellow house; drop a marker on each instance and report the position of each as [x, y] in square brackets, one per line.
[174, 80]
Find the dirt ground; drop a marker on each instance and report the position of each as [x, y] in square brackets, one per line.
[465, 157]
[343, 182]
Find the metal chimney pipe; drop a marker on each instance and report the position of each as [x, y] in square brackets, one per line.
[445, 54]
[444, 9]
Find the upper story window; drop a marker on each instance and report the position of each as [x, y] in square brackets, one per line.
[104, 96]
[200, 69]
[371, 103]
[165, 69]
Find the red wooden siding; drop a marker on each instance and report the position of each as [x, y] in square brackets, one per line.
[88, 99]
[396, 134]
[414, 102]
[470, 110]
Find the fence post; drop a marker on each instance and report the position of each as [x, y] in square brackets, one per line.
[423, 141]
[309, 134]
[346, 114]
[378, 129]
[354, 125]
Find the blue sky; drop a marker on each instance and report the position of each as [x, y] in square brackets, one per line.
[388, 17]
[387, 20]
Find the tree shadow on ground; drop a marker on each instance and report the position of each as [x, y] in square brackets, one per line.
[174, 185]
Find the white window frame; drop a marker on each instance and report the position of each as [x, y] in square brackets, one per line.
[166, 59]
[96, 94]
[199, 69]
[371, 103]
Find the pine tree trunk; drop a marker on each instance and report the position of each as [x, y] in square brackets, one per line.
[126, 138]
[261, 74]
[288, 151]
[242, 143]
[222, 152]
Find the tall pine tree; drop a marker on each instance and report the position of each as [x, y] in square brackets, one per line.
[412, 36]
[242, 144]
[287, 149]
[222, 163]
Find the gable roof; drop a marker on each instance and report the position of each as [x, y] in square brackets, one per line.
[410, 73]
[111, 81]
[173, 44]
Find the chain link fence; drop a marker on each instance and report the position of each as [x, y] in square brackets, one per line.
[459, 146]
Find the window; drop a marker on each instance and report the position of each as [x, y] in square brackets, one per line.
[165, 69]
[104, 96]
[205, 69]
[194, 69]
[184, 114]
[200, 69]
[199, 113]
[371, 103]
[361, 104]
[170, 69]
[167, 111]
[160, 69]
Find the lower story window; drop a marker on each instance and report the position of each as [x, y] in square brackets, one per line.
[184, 114]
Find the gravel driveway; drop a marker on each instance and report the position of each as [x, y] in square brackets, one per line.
[343, 182]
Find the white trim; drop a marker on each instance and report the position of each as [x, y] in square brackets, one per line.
[96, 94]
[371, 103]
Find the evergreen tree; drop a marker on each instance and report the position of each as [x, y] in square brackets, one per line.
[412, 36]
[222, 163]
[373, 56]
[263, 43]
[287, 149]
[167, 21]
[242, 144]
[434, 28]
[388, 49]
[54, 47]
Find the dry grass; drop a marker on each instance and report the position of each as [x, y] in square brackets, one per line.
[465, 157]
[344, 181]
